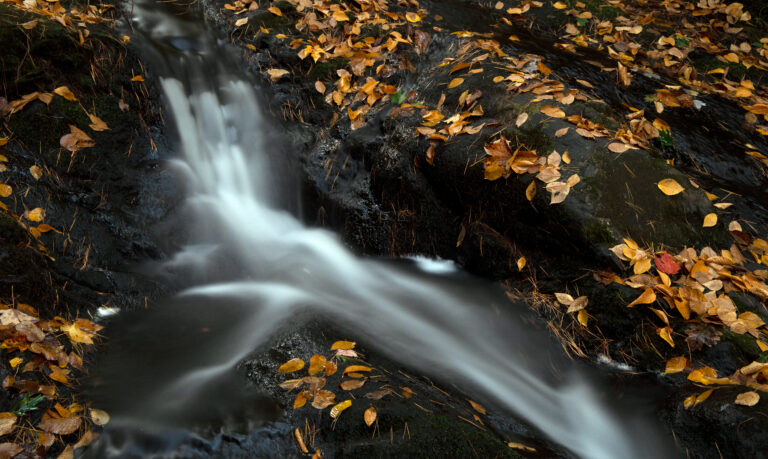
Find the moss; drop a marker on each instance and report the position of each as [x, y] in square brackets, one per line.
[601, 9]
[597, 233]
[745, 343]
[532, 138]
[324, 70]
[268, 20]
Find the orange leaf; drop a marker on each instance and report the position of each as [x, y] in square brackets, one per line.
[647, 297]
[291, 366]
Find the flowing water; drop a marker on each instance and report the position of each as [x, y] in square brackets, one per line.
[251, 267]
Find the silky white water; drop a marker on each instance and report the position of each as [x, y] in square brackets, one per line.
[246, 249]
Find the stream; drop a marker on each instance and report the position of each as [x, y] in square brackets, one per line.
[248, 267]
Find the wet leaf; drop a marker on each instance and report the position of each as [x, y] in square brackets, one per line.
[289, 384]
[675, 365]
[521, 263]
[320, 87]
[15, 362]
[290, 366]
[552, 111]
[582, 317]
[455, 82]
[323, 399]
[330, 368]
[345, 345]
[241, 22]
[301, 399]
[339, 408]
[670, 187]
[666, 334]
[275, 10]
[378, 395]
[710, 220]
[357, 369]
[99, 417]
[407, 392]
[618, 147]
[316, 364]
[5, 190]
[747, 398]
[520, 446]
[97, 124]
[352, 384]
[412, 17]
[477, 407]
[76, 139]
[61, 426]
[369, 416]
[65, 92]
[7, 423]
[642, 266]
[300, 440]
[647, 297]
[36, 172]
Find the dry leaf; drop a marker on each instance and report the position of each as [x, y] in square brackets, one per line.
[478, 407]
[710, 220]
[369, 416]
[7, 423]
[647, 297]
[344, 345]
[747, 398]
[320, 87]
[61, 426]
[65, 92]
[521, 119]
[99, 417]
[275, 10]
[276, 74]
[455, 82]
[675, 365]
[552, 111]
[339, 407]
[352, 384]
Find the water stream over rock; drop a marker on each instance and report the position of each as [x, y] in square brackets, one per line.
[250, 267]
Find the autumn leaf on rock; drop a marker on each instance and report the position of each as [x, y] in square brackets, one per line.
[275, 10]
[747, 398]
[276, 74]
[710, 220]
[241, 22]
[670, 187]
[666, 264]
[76, 139]
[290, 366]
[675, 365]
[7, 423]
[60, 426]
[478, 407]
[647, 297]
[339, 408]
[412, 17]
[455, 82]
[316, 364]
[65, 92]
[97, 124]
[369, 416]
[344, 345]
[521, 119]
[552, 111]
[99, 417]
[666, 334]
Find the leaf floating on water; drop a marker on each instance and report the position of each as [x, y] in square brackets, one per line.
[747, 398]
[339, 408]
[675, 365]
[291, 366]
[710, 220]
[478, 407]
[316, 364]
[670, 187]
[345, 345]
[369, 416]
[647, 297]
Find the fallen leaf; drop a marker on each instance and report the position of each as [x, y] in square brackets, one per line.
[320, 87]
[521, 263]
[618, 147]
[710, 220]
[9, 450]
[301, 399]
[352, 384]
[99, 417]
[521, 446]
[412, 17]
[356, 369]
[455, 82]
[675, 365]
[137, 79]
[275, 10]
[65, 92]
[277, 74]
[7, 422]
[670, 187]
[578, 304]
[76, 139]
[61, 426]
[300, 440]
[339, 407]
[316, 364]
[36, 172]
[552, 111]
[241, 22]
[97, 124]
[747, 398]
[666, 334]
[582, 317]
[647, 297]
[530, 191]
[478, 407]
[369, 416]
[345, 345]
[521, 119]
[5, 190]
[666, 264]
[291, 366]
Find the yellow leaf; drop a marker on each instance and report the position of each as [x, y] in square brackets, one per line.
[412, 17]
[369, 416]
[670, 187]
[99, 417]
[583, 317]
[552, 111]
[5, 190]
[291, 366]
[64, 92]
[345, 345]
[137, 79]
[316, 364]
[546, 71]
[36, 215]
[494, 172]
[97, 124]
[675, 365]
[36, 172]
[356, 369]
[560, 5]
[530, 191]
[275, 10]
[339, 407]
[521, 263]
[16, 361]
[3, 141]
[732, 57]
[578, 304]
[276, 74]
[340, 16]
[710, 220]
[642, 266]
[301, 399]
[666, 335]
[647, 297]
[478, 407]
[241, 22]
[455, 82]
[694, 400]
[747, 398]
[300, 440]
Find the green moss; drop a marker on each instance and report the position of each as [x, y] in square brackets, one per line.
[745, 343]
[325, 70]
[597, 233]
[532, 138]
[601, 9]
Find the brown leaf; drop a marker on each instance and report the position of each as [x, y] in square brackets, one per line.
[7, 423]
[61, 426]
[323, 399]
[99, 417]
[357, 369]
[76, 139]
[300, 440]
[65, 92]
[352, 384]
[478, 407]
[10, 450]
[747, 398]
[97, 124]
[552, 111]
